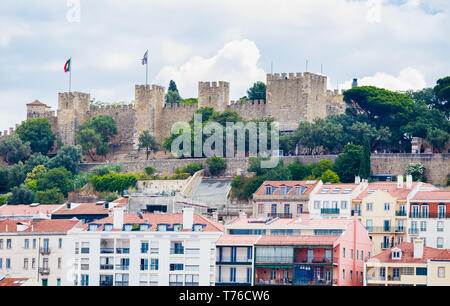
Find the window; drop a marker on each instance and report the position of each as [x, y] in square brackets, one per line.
[8, 243]
[58, 282]
[274, 209]
[440, 243]
[60, 243]
[343, 274]
[421, 271]
[369, 206]
[441, 211]
[343, 253]
[1, 263]
[299, 209]
[260, 208]
[177, 248]
[27, 243]
[107, 227]
[144, 264]
[85, 248]
[191, 280]
[316, 204]
[268, 190]
[369, 225]
[423, 226]
[176, 267]
[25, 263]
[154, 264]
[343, 204]
[415, 211]
[33, 263]
[396, 255]
[282, 190]
[128, 227]
[34, 243]
[144, 247]
[176, 279]
[351, 253]
[59, 263]
[286, 209]
[351, 275]
[8, 263]
[362, 255]
[424, 211]
[441, 272]
[440, 226]
[1, 243]
[387, 206]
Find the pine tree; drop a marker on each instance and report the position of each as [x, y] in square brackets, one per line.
[364, 167]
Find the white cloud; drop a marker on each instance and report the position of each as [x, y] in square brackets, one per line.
[236, 62]
[409, 78]
[11, 29]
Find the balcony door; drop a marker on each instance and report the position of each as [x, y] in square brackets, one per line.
[310, 255]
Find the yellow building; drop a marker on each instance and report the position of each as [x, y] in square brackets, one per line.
[409, 264]
[382, 208]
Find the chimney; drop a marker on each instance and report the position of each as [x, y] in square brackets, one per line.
[409, 181]
[418, 248]
[357, 180]
[118, 218]
[188, 217]
[242, 215]
[400, 181]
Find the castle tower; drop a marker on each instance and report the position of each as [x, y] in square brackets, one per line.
[214, 95]
[73, 109]
[37, 109]
[292, 98]
[149, 102]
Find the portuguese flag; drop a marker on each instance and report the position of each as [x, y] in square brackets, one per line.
[67, 65]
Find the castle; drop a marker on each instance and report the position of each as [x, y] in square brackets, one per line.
[290, 99]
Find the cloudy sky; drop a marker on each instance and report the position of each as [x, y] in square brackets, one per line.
[395, 44]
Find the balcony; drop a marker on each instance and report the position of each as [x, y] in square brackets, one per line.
[121, 283]
[44, 270]
[122, 250]
[236, 260]
[106, 250]
[385, 229]
[242, 281]
[144, 267]
[280, 215]
[413, 231]
[431, 215]
[122, 267]
[106, 283]
[330, 211]
[84, 267]
[385, 246]
[400, 213]
[292, 260]
[177, 250]
[144, 250]
[106, 267]
[44, 251]
[356, 212]
[271, 282]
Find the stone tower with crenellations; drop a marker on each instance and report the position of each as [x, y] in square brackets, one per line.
[290, 99]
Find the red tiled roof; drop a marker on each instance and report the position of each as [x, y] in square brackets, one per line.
[389, 187]
[297, 240]
[439, 196]
[155, 219]
[12, 282]
[27, 210]
[408, 254]
[38, 226]
[38, 103]
[308, 184]
[333, 186]
[83, 209]
[237, 240]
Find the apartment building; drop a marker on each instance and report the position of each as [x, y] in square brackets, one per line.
[335, 200]
[429, 218]
[34, 249]
[234, 263]
[313, 260]
[144, 249]
[409, 264]
[382, 207]
[283, 199]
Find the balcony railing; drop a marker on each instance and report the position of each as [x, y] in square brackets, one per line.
[238, 259]
[413, 231]
[273, 282]
[44, 270]
[84, 266]
[144, 267]
[400, 213]
[376, 277]
[106, 283]
[45, 250]
[385, 229]
[293, 260]
[356, 212]
[237, 281]
[121, 283]
[107, 267]
[177, 250]
[430, 215]
[385, 246]
[313, 282]
[330, 211]
[122, 267]
[122, 250]
[106, 250]
[394, 278]
[280, 215]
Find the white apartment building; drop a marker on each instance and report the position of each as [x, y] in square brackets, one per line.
[144, 250]
[34, 250]
[429, 218]
[335, 200]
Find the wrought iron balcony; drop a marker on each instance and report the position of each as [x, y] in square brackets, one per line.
[45, 250]
[44, 270]
[280, 215]
[330, 211]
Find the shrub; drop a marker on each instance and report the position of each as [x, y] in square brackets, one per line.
[21, 195]
[216, 165]
[113, 182]
[49, 196]
[3, 199]
[191, 168]
[417, 170]
[109, 196]
[149, 170]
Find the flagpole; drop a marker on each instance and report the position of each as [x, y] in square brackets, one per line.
[146, 72]
[70, 76]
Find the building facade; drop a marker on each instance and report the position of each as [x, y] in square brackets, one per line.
[144, 250]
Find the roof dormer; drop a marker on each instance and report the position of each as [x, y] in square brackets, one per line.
[396, 254]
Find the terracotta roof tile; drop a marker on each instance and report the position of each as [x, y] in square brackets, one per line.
[12, 282]
[38, 226]
[408, 254]
[27, 210]
[237, 240]
[297, 240]
[440, 196]
[308, 184]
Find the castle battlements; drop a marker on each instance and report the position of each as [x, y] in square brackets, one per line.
[221, 84]
[239, 103]
[178, 106]
[147, 88]
[295, 76]
[111, 108]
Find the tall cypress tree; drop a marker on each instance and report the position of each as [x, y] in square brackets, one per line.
[364, 166]
[172, 86]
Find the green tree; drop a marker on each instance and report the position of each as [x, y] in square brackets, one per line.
[37, 172]
[49, 196]
[364, 166]
[148, 142]
[173, 97]
[299, 171]
[13, 150]
[68, 157]
[192, 168]
[216, 165]
[16, 175]
[442, 92]
[321, 167]
[113, 182]
[438, 138]
[20, 195]
[38, 132]
[347, 164]
[149, 170]
[103, 124]
[172, 86]
[329, 177]
[3, 179]
[89, 140]
[257, 91]
[59, 178]
[417, 170]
